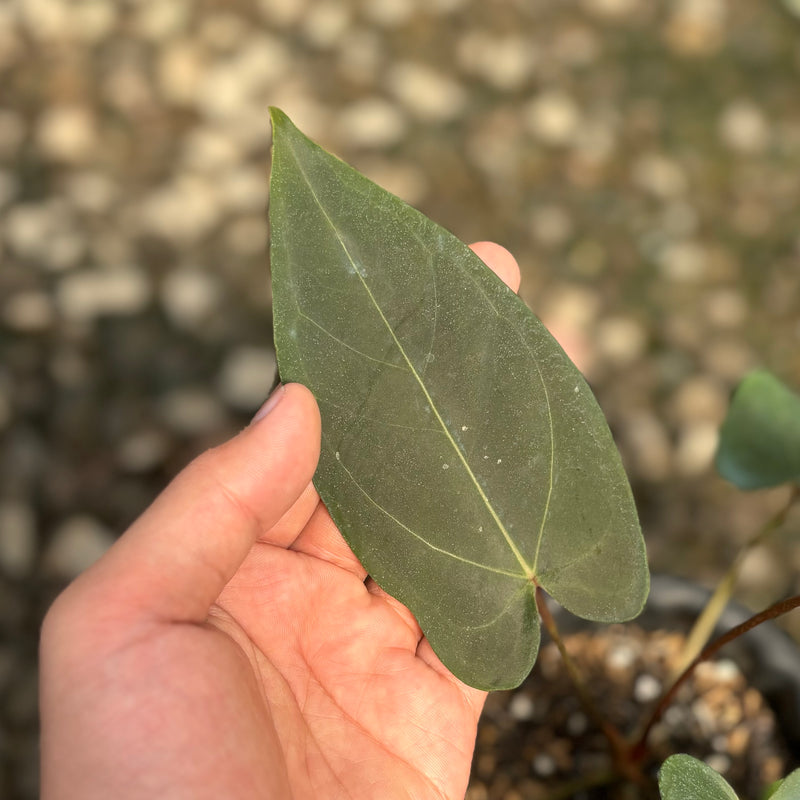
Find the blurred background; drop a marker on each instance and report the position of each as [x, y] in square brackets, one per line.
[640, 157]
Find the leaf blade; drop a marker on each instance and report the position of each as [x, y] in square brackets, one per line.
[435, 382]
[685, 778]
[759, 444]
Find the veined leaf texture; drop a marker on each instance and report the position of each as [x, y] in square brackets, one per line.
[464, 458]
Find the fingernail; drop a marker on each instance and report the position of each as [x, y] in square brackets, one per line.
[272, 401]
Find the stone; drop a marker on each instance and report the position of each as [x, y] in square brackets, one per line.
[551, 225]
[696, 28]
[75, 545]
[325, 23]
[684, 261]
[91, 293]
[697, 444]
[659, 175]
[426, 93]
[521, 706]
[142, 450]
[28, 311]
[283, 13]
[553, 117]
[371, 122]
[621, 341]
[243, 189]
[190, 296]
[246, 376]
[182, 211]
[180, 70]
[191, 411]
[744, 128]
[390, 13]
[91, 191]
[67, 133]
[247, 235]
[503, 62]
[611, 9]
[18, 539]
[156, 21]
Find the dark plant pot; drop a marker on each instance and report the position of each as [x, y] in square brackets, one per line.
[767, 655]
[535, 719]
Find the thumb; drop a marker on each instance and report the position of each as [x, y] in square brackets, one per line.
[177, 557]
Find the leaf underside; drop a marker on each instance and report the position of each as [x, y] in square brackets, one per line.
[759, 443]
[464, 457]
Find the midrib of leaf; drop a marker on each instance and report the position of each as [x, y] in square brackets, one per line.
[528, 572]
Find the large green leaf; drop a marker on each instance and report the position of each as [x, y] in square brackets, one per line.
[759, 443]
[685, 778]
[464, 458]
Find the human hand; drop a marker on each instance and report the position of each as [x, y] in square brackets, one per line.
[230, 645]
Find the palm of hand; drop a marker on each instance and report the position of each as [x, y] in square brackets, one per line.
[361, 705]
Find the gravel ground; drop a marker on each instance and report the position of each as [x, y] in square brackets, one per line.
[641, 157]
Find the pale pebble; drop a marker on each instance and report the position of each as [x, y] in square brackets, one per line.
[246, 376]
[18, 539]
[243, 189]
[189, 296]
[503, 62]
[699, 398]
[684, 261]
[75, 545]
[247, 235]
[659, 175]
[155, 21]
[646, 689]
[576, 46]
[428, 94]
[191, 411]
[180, 71]
[744, 129]
[612, 9]
[45, 19]
[621, 341]
[91, 293]
[326, 22]
[91, 191]
[92, 20]
[551, 225]
[208, 149]
[222, 31]
[283, 13]
[390, 13]
[647, 446]
[28, 311]
[726, 308]
[142, 450]
[553, 117]
[67, 133]
[371, 122]
[697, 443]
[521, 706]
[361, 55]
[181, 211]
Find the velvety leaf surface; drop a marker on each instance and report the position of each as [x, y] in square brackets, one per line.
[685, 778]
[760, 438]
[789, 788]
[464, 458]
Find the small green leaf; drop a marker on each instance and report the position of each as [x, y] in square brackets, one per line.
[685, 778]
[759, 442]
[789, 788]
[464, 457]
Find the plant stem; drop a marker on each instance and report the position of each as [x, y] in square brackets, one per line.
[615, 739]
[704, 625]
[774, 611]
